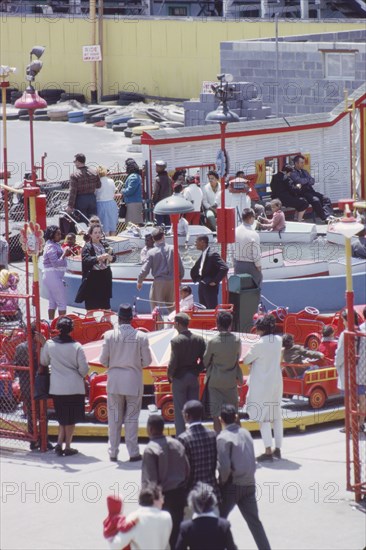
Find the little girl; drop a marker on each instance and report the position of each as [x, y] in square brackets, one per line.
[278, 222]
[186, 301]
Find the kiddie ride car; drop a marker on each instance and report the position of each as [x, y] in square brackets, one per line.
[315, 383]
[306, 325]
[164, 396]
[204, 319]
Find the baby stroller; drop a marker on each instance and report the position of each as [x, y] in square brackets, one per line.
[76, 222]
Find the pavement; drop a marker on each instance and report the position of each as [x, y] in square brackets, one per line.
[61, 501]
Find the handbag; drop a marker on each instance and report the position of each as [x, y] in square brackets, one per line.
[42, 385]
[82, 291]
[122, 210]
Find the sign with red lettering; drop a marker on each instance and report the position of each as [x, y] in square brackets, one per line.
[92, 53]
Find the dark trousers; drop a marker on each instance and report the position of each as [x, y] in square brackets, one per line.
[321, 205]
[184, 389]
[162, 220]
[87, 204]
[208, 295]
[244, 498]
[174, 503]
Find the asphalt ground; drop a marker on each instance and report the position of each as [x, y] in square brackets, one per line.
[50, 502]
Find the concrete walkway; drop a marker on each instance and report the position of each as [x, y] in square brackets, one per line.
[50, 502]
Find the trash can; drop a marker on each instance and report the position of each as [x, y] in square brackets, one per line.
[245, 296]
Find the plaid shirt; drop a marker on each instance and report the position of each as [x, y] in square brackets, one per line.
[84, 181]
[200, 446]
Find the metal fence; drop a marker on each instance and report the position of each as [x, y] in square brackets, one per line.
[19, 413]
[56, 202]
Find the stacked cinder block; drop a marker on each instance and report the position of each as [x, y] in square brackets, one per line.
[244, 103]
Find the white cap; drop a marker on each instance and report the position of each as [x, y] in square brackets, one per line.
[160, 163]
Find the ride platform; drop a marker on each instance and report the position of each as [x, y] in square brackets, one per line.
[297, 415]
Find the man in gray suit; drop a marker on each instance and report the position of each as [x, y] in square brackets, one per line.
[125, 352]
[185, 364]
[159, 260]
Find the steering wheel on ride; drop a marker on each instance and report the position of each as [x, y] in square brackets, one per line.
[281, 313]
[311, 311]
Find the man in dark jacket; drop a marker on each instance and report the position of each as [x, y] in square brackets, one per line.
[209, 271]
[163, 188]
[283, 188]
[305, 183]
[185, 364]
[83, 183]
[165, 463]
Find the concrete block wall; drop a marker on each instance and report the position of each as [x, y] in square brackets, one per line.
[244, 103]
[299, 86]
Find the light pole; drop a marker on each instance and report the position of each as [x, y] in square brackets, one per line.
[5, 72]
[348, 226]
[174, 206]
[223, 91]
[30, 99]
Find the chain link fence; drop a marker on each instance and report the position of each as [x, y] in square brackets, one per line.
[19, 413]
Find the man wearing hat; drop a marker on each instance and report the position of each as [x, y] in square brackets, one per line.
[185, 364]
[125, 352]
[163, 188]
[160, 261]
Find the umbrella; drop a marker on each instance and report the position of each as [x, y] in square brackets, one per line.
[160, 348]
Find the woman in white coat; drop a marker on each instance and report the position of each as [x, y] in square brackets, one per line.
[263, 402]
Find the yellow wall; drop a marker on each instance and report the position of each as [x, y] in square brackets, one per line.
[158, 57]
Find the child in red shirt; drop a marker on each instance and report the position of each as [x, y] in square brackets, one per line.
[328, 344]
[70, 241]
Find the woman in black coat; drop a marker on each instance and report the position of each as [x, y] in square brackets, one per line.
[96, 287]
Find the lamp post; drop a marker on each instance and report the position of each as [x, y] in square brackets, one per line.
[223, 91]
[174, 206]
[348, 226]
[5, 72]
[30, 99]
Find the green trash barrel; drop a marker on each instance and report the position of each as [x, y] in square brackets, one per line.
[245, 296]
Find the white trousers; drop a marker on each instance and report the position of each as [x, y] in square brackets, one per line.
[123, 409]
[266, 433]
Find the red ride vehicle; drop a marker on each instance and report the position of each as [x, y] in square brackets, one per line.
[164, 396]
[317, 385]
[306, 325]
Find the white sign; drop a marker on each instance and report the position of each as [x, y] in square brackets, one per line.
[92, 53]
[206, 87]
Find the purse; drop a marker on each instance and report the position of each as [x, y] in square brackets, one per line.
[42, 385]
[122, 210]
[82, 291]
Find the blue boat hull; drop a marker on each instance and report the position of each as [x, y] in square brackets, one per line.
[325, 293]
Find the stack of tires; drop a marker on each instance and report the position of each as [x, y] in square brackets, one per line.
[51, 95]
[125, 98]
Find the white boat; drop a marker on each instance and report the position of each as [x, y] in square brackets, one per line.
[294, 232]
[274, 267]
[120, 244]
[338, 267]
[136, 235]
